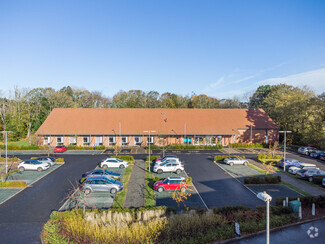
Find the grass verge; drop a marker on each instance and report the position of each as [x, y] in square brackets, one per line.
[149, 197]
[120, 196]
[257, 168]
[13, 184]
[304, 193]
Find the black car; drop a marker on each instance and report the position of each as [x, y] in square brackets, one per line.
[322, 156]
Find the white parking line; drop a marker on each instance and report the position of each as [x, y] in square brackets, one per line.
[198, 193]
[237, 179]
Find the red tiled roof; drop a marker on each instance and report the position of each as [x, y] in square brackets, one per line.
[95, 121]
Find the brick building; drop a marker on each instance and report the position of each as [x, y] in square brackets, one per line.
[129, 127]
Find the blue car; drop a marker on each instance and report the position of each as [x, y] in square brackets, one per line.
[315, 153]
[323, 182]
[289, 162]
[101, 172]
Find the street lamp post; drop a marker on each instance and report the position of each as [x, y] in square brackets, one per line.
[146, 131]
[266, 198]
[6, 136]
[284, 147]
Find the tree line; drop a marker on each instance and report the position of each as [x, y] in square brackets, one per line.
[292, 108]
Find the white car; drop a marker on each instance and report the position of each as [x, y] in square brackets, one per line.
[171, 160]
[176, 167]
[113, 163]
[234, 160]
[49, 160]
[294, 169]
[33, 165]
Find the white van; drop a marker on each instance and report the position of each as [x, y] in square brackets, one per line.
[294, 169]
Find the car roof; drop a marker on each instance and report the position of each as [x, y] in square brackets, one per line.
[97, 178]
[176, 178]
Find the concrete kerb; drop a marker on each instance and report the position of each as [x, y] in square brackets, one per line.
[29, 185]
[271, 230]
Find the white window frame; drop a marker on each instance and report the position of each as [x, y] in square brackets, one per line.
[233, 138]
[61, 139]
[73, 140]
[46, 140]
[135, 141]
[196, 140]
[150, 140]
[125, 140]
[219, 140]
[209, 141]
[113, 142]
[99, 140]
[86, 143]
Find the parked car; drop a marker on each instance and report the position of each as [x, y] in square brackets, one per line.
[113, 163]
[235, 160]
[171, 184]
[60, 149]
[101, 172]
[294, 169]
[101, 184]
[176, 167]
[289, 162]
[323, 182]
[33, 165]
[315, 153]
[306, 150]
[165, 157]
[309, 173]
[171, 160]
[322, 156]
[49, 160]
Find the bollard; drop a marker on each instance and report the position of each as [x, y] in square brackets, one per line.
[287, 201]
[284, 203]
[313, 209]
[300, 213]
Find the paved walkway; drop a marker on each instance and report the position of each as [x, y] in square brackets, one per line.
[136, 189]
[296, 182]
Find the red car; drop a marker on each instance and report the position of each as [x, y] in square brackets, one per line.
[171, 184]
[60, 149]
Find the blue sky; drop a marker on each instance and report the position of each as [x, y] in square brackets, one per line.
[220, 48]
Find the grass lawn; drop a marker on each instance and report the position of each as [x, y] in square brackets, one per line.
[120, 196]
[149, 197]
[23, 142]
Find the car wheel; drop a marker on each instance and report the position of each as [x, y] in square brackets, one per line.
[245, 163]
[231, 163]
[113, 191]
[105, 166]
[178, 171]
[39, 169]
[159, 171]
[87, 191]
[183, 189]
[21, 169]
[160, 189]
[122, 166]
[310, 179]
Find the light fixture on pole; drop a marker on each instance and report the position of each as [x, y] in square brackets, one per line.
[266, 198]
[149, 131]
[284, 147]
[6, 138]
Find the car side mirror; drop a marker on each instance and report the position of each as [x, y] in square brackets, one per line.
[168, 183]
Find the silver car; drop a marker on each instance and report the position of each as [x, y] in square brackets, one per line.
[234, 160]
[49, 160]
[306, 150]
[101, 184]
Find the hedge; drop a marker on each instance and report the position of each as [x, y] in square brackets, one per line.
[13, 184]
[127, 158]
[152, 157]
[20, 147]
[248, 145]
[268, 156]
[185, 147]
[267, 179]
[73, 147]
[305, 201]
[15, 159]
[222, 157]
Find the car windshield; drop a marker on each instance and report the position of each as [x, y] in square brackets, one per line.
[303, 170]
[119, 160]
[37, 162]
[165, 181]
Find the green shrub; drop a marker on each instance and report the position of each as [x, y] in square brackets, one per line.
[248, 145]
[13, 184]
[127, 158]
[229, 209]
[267, 179]
[305, 201]
[156, 178]
[222, 157]
[20, 147]
[15, 159]
[152, 157]
[75, 147]
[261, 157]
[33, 158]
[188, 180]
[192, 147]
[59, 160]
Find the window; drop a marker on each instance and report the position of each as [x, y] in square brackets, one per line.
[188, 140]
[198, 140]
[137, 140]
[210, 140]
[59, 140]
[86, 141]
[219, 140]
[46, 140]
[267, 136]
[111, 140]
[149, 139]
[99, 140]
[233, 139]
[73, 140]
[125, 140]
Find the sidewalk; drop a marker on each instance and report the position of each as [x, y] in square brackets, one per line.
[298, 183]
[136, 190]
